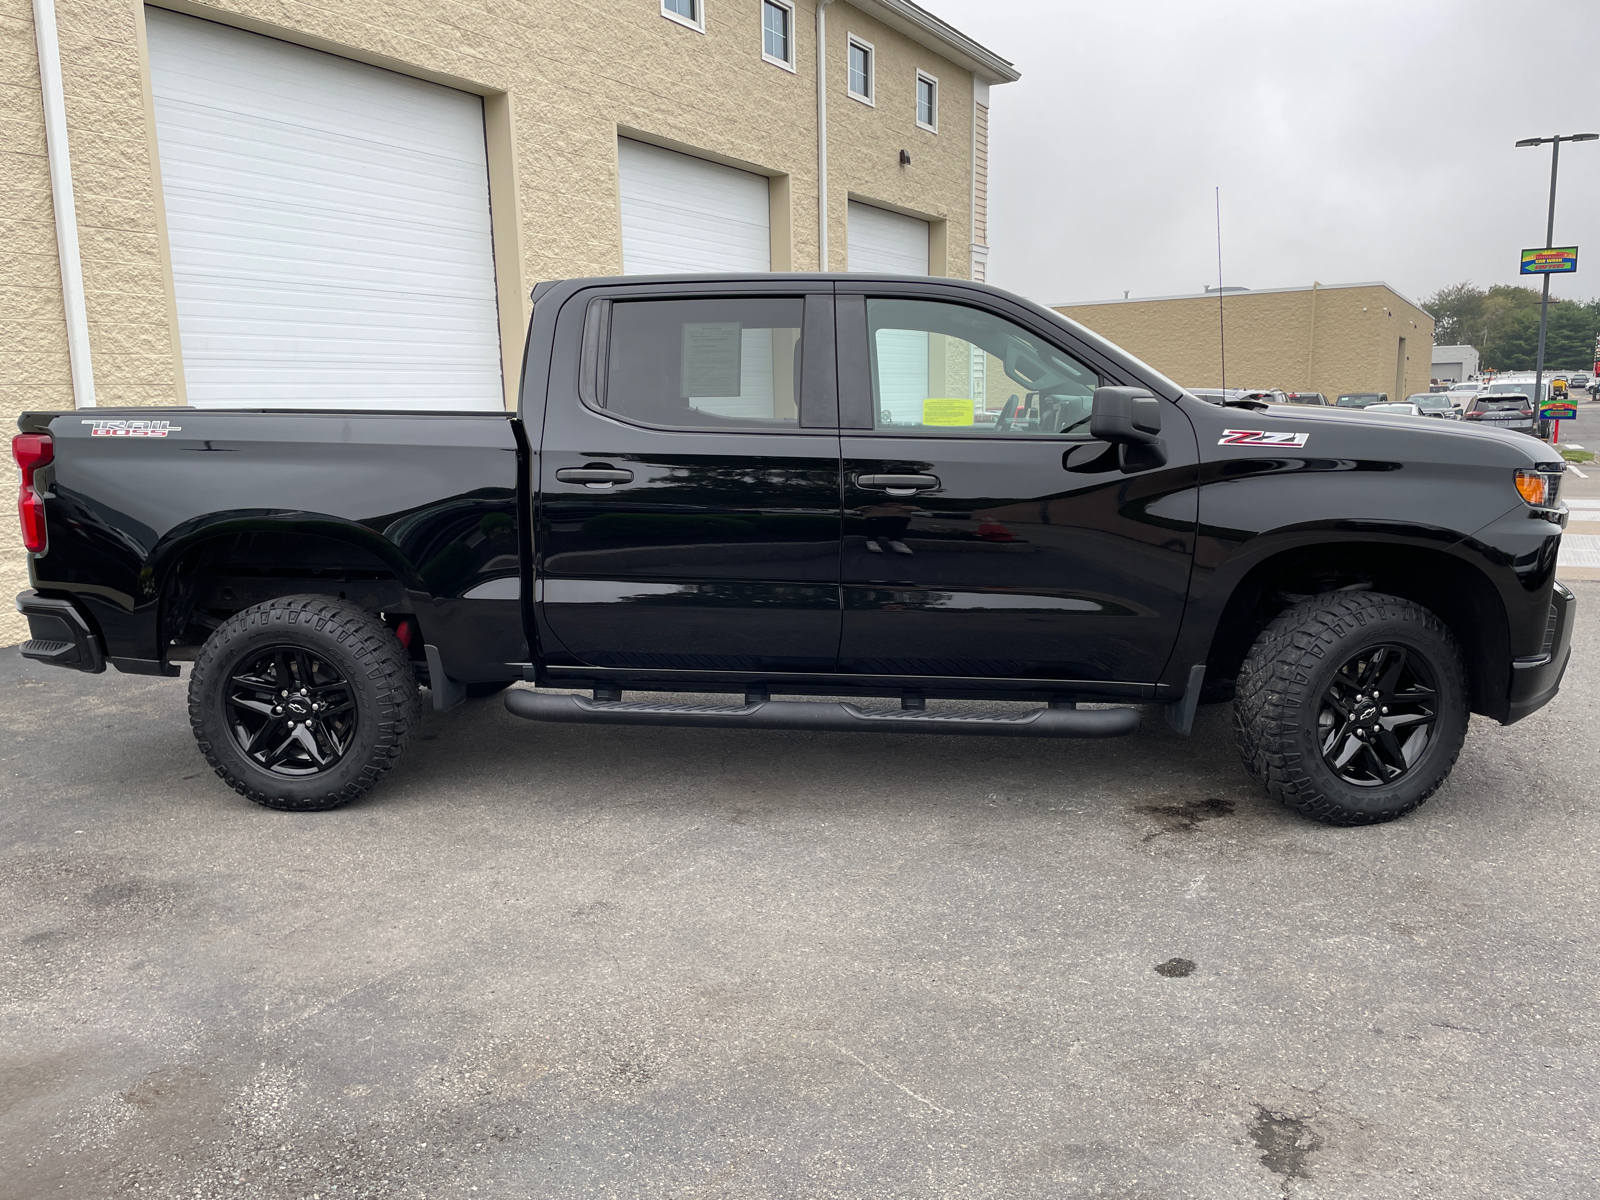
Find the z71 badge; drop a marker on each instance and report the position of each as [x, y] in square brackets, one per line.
[1261, 437]
[134, 429]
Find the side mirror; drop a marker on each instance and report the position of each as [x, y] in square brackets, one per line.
[1129, 419]
[1125, 417]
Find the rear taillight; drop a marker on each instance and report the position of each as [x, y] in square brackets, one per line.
[32, 451]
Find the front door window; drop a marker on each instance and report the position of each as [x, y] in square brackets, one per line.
[947, 370]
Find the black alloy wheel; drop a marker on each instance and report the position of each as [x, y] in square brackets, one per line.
[303, 703]
[1377, 716]
[1352, 706]
[290, 711]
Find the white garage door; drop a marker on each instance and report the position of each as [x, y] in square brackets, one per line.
[683, 214]
[886, 241]
[896, 244]
[329, 224]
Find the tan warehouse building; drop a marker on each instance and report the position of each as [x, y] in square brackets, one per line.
[270, 203]
[1328, 338]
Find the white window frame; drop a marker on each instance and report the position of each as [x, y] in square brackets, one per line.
[793, 54]
[698, 24]
[924, 77]
[871, 98]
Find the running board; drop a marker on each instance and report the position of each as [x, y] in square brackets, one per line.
[831, 715]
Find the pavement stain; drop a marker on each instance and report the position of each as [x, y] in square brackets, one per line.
[1286, 1143]
[1184, 818]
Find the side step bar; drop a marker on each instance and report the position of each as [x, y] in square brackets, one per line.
[830, 715]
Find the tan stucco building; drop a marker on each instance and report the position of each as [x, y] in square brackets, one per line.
[1328, 338]
[584, 135]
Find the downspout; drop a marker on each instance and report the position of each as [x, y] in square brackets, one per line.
[55, 136]
[822, 134]
[1311, 342]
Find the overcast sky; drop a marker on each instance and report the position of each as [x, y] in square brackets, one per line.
[1353, 141]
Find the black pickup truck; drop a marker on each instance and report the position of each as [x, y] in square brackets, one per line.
[845, 486]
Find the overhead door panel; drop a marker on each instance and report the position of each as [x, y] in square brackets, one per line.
[329, 225]
[886, 241]
[683, 214]
[892, 243]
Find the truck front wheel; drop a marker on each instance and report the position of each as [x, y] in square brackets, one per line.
[302, 703]
[1352, 707]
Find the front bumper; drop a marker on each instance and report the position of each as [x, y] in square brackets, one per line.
[60, 634]
[1536, 680]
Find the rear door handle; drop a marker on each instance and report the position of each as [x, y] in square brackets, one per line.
[595, 477]
[898, 485]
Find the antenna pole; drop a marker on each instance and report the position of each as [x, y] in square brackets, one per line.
[1222, 328]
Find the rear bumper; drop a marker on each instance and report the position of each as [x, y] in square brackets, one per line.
[59, 634]
[1536, 680]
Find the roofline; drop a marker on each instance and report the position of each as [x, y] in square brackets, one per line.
[1321, 287]
[928, 30]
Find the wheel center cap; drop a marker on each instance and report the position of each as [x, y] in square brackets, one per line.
[1368, 713]
[299, 705]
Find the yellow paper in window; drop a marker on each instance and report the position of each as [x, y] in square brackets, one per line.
[947, 410]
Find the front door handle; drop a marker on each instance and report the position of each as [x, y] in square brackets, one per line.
[898, 485]
[595, 477]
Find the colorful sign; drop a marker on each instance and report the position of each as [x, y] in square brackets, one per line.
[1558, 410]
[1553, 261]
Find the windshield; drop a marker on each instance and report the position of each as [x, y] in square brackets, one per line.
[1500, 404]
[1358, 399]
[1429, 400]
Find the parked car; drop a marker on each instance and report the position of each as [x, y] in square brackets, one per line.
[1580, 380]
[1398, 408]
[1524, 387]
[662, 515]
[1314, 398]
[1361, 399]
[1435, 404]
[1267, 395]
[1503, 410]
[1460, 393]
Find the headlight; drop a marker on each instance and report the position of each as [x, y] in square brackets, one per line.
[1537, 487]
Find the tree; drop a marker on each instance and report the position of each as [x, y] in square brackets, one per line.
[1502, 324]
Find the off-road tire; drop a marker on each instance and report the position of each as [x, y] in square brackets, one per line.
[1285, 675]
[372, 662]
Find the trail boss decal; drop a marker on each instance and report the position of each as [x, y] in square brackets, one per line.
[1261, 437]
[134, 429]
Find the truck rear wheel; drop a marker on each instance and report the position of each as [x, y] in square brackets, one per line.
[302, 703]
[1352, 707]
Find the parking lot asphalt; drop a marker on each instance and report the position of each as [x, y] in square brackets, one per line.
[565, 961]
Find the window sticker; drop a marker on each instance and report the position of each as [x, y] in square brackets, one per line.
[1261, 437]
[711, 358]
[947, 410]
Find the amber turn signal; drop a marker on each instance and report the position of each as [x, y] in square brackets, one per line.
[1534, 487]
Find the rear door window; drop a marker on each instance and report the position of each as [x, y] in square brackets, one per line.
[690, 363]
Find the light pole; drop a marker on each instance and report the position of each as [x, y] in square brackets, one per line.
[1549, 241]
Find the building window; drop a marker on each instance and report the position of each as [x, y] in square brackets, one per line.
[860, 82]
[927, 102]
[777, 32]
[685, 12]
